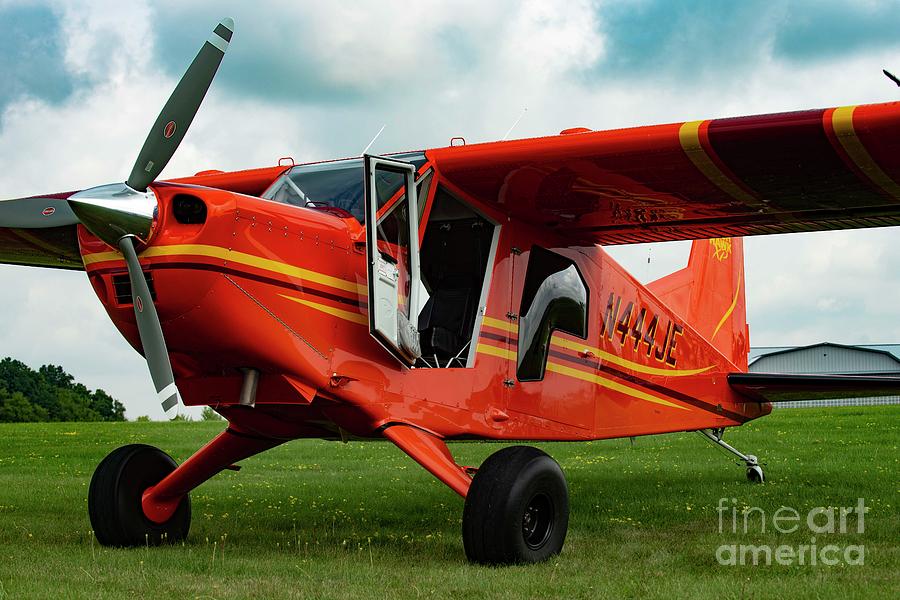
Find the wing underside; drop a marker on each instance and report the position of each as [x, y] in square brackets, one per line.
[805, 171]
[55, 247]
[772, 387]
[40, 231]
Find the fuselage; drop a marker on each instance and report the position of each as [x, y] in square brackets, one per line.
[267, 285]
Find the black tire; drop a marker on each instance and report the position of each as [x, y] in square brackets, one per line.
[517, 509]
[114, 498]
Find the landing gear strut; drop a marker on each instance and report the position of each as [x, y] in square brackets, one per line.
[517, 504]
[754, 470]
[139, 496]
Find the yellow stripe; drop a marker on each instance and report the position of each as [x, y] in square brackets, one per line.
[336, 312]
[689, 136]
[730, 308]
[501, 324]
[610, 384]
[495, 351]
[240, 258]
[584, 376]
[842, 122]
[98, 257]
[618, 360]
[601, 354]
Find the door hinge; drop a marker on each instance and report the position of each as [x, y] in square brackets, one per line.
[509, 382]
[512, 316]
[516, 250]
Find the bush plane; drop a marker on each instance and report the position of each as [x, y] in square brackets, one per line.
[454, 293]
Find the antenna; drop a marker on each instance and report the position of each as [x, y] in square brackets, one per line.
[891, 76]
[366, 149]
[524, 110]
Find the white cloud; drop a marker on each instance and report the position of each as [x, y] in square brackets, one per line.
[106, 39]
[542, 41]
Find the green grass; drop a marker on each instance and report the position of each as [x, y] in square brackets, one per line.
[318, 519]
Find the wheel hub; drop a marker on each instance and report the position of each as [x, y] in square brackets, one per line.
[537, 521]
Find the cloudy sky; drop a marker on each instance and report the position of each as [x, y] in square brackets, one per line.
[83, 81]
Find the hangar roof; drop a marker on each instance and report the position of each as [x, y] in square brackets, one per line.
[883, 351]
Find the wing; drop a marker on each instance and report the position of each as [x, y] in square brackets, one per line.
[804, 171]
[39, 231]
[772, 387]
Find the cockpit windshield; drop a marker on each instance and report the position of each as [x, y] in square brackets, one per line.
[337, 184]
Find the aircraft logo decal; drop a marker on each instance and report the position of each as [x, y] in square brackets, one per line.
[169, 131]
[722, 248]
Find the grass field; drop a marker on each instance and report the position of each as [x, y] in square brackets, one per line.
[318, 519]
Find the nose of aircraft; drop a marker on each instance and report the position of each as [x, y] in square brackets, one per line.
[123, 214]
[114, 211]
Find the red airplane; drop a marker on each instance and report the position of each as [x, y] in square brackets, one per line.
[456, 293]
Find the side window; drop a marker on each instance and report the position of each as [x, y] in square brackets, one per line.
[554, 297]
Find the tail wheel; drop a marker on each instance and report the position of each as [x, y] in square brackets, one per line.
[755, 474]
[114, 498]
[517, 509]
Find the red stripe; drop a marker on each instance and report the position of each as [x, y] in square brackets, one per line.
[789, 161]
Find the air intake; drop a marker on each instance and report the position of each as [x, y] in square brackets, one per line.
[189, 210]
[122, 288]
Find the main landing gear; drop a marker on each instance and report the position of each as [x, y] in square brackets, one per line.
[139, 496]
[517, 508]
[517, 504]
[754, 470]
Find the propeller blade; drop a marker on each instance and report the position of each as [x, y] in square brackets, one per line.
[891, 76]
[150, 329]
[36, 213]
[181, 108]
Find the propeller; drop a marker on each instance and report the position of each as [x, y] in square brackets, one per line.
[179, 112]
[150, 330]
[122, 214]
[21, 213]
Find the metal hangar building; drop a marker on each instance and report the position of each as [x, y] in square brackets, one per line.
[832, 359]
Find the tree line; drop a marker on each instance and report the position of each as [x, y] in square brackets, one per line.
[51, 394]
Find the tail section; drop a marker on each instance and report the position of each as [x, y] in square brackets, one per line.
[709, 295]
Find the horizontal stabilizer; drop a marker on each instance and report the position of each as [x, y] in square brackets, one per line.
[777, 387]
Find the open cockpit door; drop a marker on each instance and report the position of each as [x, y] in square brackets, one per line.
[393, 256]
